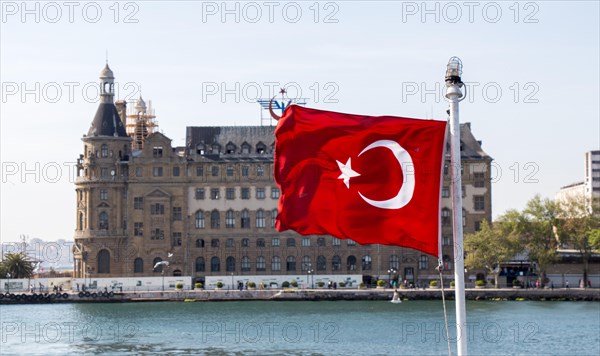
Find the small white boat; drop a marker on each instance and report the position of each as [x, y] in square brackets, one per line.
[396, 298]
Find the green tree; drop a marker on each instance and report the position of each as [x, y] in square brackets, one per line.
[17, 265]
[579, 229]
[490, 246]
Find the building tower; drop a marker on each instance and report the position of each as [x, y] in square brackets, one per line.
[102, 171]
[140, 123]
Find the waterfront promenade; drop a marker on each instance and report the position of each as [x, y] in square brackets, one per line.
[199, 295]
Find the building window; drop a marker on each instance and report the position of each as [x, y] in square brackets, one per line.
[260, 242]
[104, 151]
[200, 264]
[290, 242]
[351, 242]
[215, 264]
[103, 221]
[157, 234]
[230, 148]
[261, 149]
[177, 213]
[230, 264]
[321, 242]
[260, 193]
[138, 229]
[336, 263]
[366, 263]
[245, 264]
[215, 219]
[200, 219]
[479, 202]
[214, 171]
[245, 220]
[351, 263]
[321, 263]
[199, 194]
[138, 265]
[104, 172]
[463, 191]
[447, 263]
[214, 193]
[446, 169]
[245, 242]
[176, 239]
[305, 242]
[229, 243]
[230, 193]
[175, 171]
[261, 264]
[245, 171]
[479, 180]
[157, 209]
[103, 261]
[260, 171]
[306, 263]
[275, 263]
[477, 225]
[273, 217]
[394, 262]
[274, 193]
[260, 218]
[157, 171]
[275, 242]
[157, 152]
[245, 193]
[199, 171]
[290, 263]
[230, 219]
[464, 217]
[229, 171]
[200, 243]
[214, 243]
[445, 240]
[200, 149]
[336, 242]
[138, 171]
[423, 262]
[446, 217]
[158, 268]
[216, 149]
[103, 194]
[445, 192]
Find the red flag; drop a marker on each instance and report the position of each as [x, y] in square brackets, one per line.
[375, 180]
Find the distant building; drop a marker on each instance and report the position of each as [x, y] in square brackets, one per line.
[590, 186]
[209, 208]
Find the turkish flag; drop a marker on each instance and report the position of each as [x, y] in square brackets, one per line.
[375, 180]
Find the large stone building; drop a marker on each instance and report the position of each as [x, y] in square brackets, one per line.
[209, 208]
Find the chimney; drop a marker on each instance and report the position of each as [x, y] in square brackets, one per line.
[122, 110]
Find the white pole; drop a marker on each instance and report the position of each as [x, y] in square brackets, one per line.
[453, 94]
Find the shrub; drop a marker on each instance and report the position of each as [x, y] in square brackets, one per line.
[179, 285]
[480, 282]
[342, 284]
[251, 285]
[285, 284]
[452, 283]
[321, 284]
[380, 283]
[219, 284]
[294, 283]
[516, 283]
[361, 285]
[433, 283]
[198, 285]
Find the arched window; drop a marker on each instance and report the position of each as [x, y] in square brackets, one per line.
[366, 263]
[200, 264]
[215, 264]
[200, 219]
[138, 265]
[214, 243]
[290, 242]
[216, 149]
[261, 264]
[104, 151]
[245, 148]
[321, 263]
[103, 261]
[230, 148]
[245, 264]
[351, 263]
[81, 221]
[245, 219]
[273, 217]
[276, 263]
[230, 264]
[103, 221]
[215, 219]
[336, 263]
[291, 263]
[260, 218]
[261, 148]
[158, 268]
[200, 243]
[245, 242]
[230, 219]
[306, 263]
[395, 262]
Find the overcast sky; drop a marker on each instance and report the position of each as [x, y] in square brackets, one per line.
[532, 70]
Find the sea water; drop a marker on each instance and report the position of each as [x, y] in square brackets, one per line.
[300, 328]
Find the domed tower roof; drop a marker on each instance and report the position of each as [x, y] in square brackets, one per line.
[107, 73]
[140, 105]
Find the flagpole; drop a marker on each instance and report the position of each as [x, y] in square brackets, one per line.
[454, 96]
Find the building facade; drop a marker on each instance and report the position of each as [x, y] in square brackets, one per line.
[209, 208]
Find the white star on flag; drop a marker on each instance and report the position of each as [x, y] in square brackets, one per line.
[347, 172]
